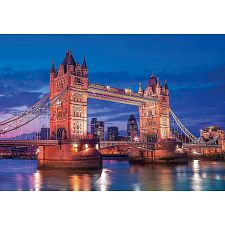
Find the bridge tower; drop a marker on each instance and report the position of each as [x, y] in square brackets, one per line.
[155, 117]
[68, 117]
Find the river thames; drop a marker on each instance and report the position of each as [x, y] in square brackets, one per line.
[116, 175]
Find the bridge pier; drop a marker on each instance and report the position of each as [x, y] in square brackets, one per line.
[163, 152]
[82, 154]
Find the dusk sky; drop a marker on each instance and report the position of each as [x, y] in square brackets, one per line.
[193, 65]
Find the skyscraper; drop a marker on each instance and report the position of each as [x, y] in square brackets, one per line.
[112, 133]
[97, 129]
[132, 128]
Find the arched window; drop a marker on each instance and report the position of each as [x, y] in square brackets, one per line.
[77, 112]
[77, 128]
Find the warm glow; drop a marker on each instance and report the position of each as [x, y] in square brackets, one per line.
[97, 146]
[75, 147]
[196, 153]
[37, 151]
[86, 146]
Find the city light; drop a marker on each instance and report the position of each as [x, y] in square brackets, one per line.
[136, 139]
[196, 153]
[86, 146]
[75, 147]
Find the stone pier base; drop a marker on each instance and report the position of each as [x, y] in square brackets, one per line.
[70, 156]
[164, 152]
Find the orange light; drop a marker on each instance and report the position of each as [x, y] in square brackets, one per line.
[86, 146]
[75, 147]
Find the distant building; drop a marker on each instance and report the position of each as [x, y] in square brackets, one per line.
[97, 129]
[122, 138]
[112, 133]
[212, 134]
[44, 134]
[132, 128]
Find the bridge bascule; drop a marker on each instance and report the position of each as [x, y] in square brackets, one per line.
[66, 109]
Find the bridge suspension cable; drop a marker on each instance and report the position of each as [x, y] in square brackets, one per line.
[30, 114]
[183, 128]
[188, 137]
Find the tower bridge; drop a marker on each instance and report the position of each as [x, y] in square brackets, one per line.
[126, 96]
[67, 104]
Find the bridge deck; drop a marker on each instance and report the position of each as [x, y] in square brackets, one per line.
[28, 142]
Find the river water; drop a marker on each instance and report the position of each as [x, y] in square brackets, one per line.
[116, 175]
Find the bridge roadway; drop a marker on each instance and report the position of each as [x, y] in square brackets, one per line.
[142, 146]
[103, 144]
[28, 142]
[189, 145]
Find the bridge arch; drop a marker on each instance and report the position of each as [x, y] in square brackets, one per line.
[61, 134]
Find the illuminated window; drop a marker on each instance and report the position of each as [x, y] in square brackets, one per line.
[77, 128]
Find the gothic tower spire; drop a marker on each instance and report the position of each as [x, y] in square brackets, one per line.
[84, 65]
[140, 89]
[53, 67]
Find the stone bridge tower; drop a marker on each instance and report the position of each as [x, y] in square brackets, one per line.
[68, 116]
[155, 117]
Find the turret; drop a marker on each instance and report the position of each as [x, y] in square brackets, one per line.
[140, 91]
[166, 85]
[158, 88]
[53, 68]
[166, 88]
[69, 63]
[84, 68]
[52, 71]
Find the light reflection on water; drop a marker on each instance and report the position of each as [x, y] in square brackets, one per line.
[197, 182]
[115, 175]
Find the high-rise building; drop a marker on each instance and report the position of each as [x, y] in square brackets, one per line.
[112, 133]
[97, 129]
[44, 134]
[132, 128]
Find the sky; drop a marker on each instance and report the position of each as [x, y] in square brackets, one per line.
[193, 65]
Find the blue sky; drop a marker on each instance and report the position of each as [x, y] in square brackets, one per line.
[193, 65]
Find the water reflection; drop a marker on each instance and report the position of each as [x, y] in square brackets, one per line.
[196, 164]
[196, 179]
[115, 175]
[37, 181]
[105, 180]
[63, 180]
[137, 187]
[154, 177]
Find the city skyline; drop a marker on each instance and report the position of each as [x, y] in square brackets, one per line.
[120, 61]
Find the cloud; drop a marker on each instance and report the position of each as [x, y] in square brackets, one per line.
[20, 88]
